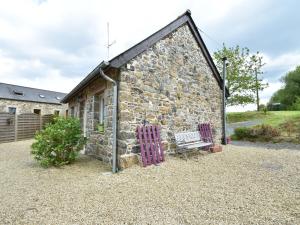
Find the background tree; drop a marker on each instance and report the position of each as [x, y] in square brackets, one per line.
[242, 72]
[289, 95]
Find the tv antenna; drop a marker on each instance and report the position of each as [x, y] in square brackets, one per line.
[108, 42]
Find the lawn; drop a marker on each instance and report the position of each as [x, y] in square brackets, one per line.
[241, 185]
[286, 123]
[273, 118]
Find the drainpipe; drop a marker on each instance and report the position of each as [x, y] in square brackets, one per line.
[114, 116]
[224, 59]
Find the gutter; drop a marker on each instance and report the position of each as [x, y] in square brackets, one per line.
[114, 116]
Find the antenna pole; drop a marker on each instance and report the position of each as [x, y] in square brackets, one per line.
[107, 41]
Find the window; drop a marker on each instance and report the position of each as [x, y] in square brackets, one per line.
[67, 113]
[72, 114]
[56, 112]
[101, 109]
[18, 92]
[12, 110]
[37, 111]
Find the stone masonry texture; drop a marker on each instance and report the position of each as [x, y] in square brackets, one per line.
[99, 144]
[28, 107]
[170, 84]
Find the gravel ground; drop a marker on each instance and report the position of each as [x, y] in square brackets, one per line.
[237, 186]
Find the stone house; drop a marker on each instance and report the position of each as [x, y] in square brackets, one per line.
[19, 99]
[168, 78]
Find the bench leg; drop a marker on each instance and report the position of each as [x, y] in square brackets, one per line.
[185, 154]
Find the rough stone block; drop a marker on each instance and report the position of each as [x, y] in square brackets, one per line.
[128, 160]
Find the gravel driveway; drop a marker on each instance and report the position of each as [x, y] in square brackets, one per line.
[236, 186]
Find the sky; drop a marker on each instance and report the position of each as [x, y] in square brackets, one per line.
[54, 44]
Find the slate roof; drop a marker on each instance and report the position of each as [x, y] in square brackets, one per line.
[20, 93]
[145, 44]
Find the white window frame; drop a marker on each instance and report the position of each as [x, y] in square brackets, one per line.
[102, 108]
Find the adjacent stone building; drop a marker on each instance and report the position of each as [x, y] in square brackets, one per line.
[168, 79]
[20, 99]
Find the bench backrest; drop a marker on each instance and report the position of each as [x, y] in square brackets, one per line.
[206, 132]
[187, 137]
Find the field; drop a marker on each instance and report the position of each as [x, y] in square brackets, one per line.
[274, 118]
[287, 123]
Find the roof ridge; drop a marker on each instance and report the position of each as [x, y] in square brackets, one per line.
[187, 12]
[33, 88]
[146, 43]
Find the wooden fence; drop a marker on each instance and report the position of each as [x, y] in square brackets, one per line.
[20, 127]
[7, 127]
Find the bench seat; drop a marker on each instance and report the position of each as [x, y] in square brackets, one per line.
[189, 140]
[197, 144]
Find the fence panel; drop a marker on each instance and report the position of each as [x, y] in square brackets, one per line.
[28, 124]
[7, 127]
[48, 118]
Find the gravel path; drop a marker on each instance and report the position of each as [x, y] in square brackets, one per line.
[250, 123]
[268, 145]
[241, 185]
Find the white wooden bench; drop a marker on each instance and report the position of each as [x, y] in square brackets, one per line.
[186, 141]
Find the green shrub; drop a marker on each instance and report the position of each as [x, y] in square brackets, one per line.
[256, 133]
[241, 132]
[59, 143]
[296, 105]
[265, 110]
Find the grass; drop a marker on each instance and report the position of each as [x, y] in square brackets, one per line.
[287, 122]
[273, 118]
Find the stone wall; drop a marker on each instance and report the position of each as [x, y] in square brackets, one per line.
[28, 107]
[99, 144]
[170, 84]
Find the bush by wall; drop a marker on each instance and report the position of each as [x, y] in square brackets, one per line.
[59, 143]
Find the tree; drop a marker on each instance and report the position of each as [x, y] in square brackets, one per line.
[289, 95]
[242, 71]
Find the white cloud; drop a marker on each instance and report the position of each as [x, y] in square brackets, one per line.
[267, 93]
[54, 44]
[287, 61]
[249, 107]
[12, 71]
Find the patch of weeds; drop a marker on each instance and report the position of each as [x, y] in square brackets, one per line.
[257, 133]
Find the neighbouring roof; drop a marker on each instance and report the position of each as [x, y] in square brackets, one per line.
[20, 93]
[142, 46]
